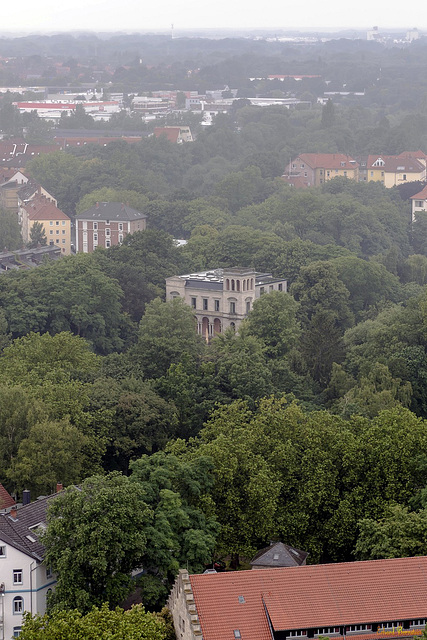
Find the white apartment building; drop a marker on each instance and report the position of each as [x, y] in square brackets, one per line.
[221, 298]
[24, 580]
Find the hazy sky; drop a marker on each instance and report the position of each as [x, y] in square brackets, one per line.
[113, 15]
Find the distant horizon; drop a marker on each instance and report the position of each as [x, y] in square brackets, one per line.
[177, 30]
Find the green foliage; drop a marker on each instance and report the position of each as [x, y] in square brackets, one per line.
[101, 623]
[167, 334]
[398, 534]
[84, 526]
[70, 295]
[183, 531]
[10, 231]
[37, 236]
[51, 451]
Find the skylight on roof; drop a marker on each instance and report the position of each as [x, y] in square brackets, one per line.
[31, 539]
[241, 599]
[237, 633]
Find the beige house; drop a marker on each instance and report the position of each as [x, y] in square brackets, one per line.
[221, 298]
[56, 223]
[392, 171]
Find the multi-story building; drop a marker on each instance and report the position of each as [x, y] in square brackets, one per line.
[313, 169]
[56, 223]
[374, 599]
[392, 171]
[106, 224]
[24, 580]
[221, 298]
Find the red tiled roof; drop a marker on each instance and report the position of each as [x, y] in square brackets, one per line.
[6, 499]
[421, 195]
[171, 133]
[40, 208]
[328, 160]
[310, 596]
[413, 154]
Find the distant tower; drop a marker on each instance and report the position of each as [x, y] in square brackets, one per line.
[171, 31]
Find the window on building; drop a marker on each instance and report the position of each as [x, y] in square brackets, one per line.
[216, 305]
[107, 244]
[205, 304]
[63, 223]
[63, 232]
[48, 572]
[51, 223]
[57, 223]
[63, 241]
[95, 237]
[17, 576]
[57, 240]
[51, 242]
[120, 226]
[193, 302]
[271, 287]
[372, 174]
[261, 291]
[51, 232]
[2, 550]
[16, 632]
[95, 226]
[107, 222]
[248, 306]
[18, 604]
[328, 173]
[57, 232]
[345, 174]
[232, 307]
[419, 203]
[404, 176]
[280, 286]
[120, 238]
[107, 232]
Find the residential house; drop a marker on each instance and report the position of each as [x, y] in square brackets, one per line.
[278, 554]
[56, 223]
[177, 135]
[419, 202]
[221, 298]
[24, 580]
[381, 599]
[106, 224]
[12, 181]
[392, 171]
[313, 169]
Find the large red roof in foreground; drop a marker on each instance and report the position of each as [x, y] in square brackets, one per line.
[310, 596]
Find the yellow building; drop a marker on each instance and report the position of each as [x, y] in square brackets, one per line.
[56, 224]
[392, 171]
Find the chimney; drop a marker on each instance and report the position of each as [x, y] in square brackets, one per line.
[13, 512]
[97, 205]
[59, 487]
[26, 497]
